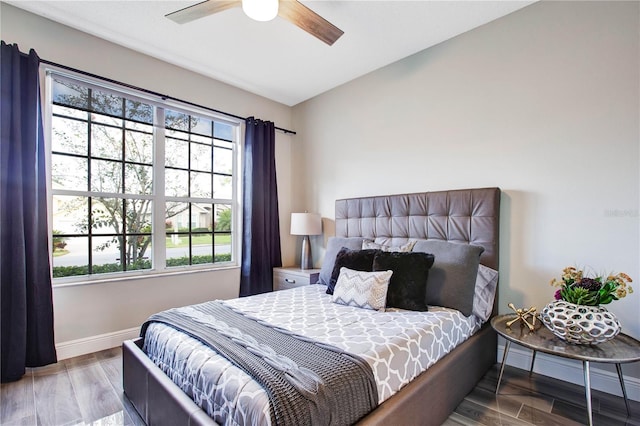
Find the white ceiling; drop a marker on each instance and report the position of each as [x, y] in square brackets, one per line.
[276, 59]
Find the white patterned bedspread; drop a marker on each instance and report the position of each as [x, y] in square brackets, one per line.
[397, 344]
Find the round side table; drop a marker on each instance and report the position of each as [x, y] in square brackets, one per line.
[619, 350]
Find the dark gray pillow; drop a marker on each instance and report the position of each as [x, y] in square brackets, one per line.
[452, 279]
[333, 247]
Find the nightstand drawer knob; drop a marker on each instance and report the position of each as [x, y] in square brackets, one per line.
[290, 281]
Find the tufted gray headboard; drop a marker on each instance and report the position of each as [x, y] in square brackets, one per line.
[469, 216]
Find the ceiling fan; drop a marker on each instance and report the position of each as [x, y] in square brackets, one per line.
[265, 10]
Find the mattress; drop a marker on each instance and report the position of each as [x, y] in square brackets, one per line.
[397, 344]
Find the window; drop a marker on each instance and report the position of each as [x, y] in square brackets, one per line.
[199, 170]
[137, 184]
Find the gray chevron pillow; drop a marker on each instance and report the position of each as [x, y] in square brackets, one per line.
[362, 289]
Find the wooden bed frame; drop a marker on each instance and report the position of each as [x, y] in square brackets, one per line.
[463, 216]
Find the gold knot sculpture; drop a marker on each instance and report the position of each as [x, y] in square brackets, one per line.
[523, 315]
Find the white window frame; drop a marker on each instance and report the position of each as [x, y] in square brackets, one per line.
[158, 197]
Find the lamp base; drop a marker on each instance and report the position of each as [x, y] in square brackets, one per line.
[306, 262]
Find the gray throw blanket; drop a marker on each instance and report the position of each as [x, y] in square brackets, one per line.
[307, 382]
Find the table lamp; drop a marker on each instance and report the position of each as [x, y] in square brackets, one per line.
[306, 224]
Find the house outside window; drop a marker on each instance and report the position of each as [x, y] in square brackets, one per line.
[138, 185]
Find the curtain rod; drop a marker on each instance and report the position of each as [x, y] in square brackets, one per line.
[151, 92]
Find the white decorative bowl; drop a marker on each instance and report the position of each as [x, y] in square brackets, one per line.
[580, 324]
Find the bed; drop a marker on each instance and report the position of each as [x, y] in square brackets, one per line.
[465, 217]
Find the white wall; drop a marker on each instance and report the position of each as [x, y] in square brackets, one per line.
[543, 103]
[86, 311]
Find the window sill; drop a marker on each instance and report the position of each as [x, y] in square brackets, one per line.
[135, 275]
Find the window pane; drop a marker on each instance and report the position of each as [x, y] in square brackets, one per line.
[70, 256]
[223, 248]
[223, 144]
[177, 250]
[70, 94]
[223, 131]
[177, 245]
[177, 241]
[139, 252]
[106, 176]
[176, 120]
[177, 217]
[201, 185]
[201, 157]
[176, 153]
[69, 136]
[222, 160]
[138, 179]
[105, 119]
[70, 214]
[138, 216]
[222, 187]
[223, 218]
[106, 142]
[177, 135]
[106, 216]
[138, 111]
[68, 172]
[69, 112]
[201, 218]
[176, 183]
[202, 248]
[106, 103]
[201, 126]
[202, 139]
[106, 256]
[147, 128]
[138, 147]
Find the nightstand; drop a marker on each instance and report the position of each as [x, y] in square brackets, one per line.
[621, 349]
[292, 276]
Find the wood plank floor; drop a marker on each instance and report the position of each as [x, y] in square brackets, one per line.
[87, 390]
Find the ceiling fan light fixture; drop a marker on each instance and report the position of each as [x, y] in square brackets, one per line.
[260, 10]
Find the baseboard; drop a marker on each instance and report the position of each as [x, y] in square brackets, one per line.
[570, 371]
[95, 343]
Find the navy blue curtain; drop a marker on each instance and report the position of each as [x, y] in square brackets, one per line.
[261, 223]
[26, 302]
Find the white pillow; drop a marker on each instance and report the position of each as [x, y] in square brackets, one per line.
[405, 248]
[362, 289]
[485, 292]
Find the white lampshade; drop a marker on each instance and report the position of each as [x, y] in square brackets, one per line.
[306, 224]
[260, 10]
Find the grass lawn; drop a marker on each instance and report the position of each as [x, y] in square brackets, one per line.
[182, 241]
[198, 239]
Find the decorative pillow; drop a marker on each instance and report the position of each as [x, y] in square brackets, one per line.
[362, 289]
[485, 292]
[408, 285]
[333, 247]
[360, 260]
[452, 279]
[368, 244]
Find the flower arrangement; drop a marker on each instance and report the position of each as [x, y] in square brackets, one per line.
[575, 287]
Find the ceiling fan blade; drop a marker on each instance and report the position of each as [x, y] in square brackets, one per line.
[200, 10]
[305, 18]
